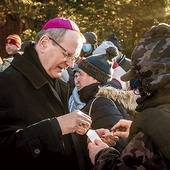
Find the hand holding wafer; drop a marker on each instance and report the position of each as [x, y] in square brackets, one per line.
[76, 121]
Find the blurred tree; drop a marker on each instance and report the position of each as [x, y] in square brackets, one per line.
[128, 19]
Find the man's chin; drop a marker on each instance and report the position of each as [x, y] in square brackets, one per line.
[56, 75]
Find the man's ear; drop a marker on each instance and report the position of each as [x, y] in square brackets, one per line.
[43, 43]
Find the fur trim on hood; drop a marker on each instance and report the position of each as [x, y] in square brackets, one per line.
[126, 97]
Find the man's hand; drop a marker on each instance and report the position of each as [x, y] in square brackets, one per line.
[76, 121]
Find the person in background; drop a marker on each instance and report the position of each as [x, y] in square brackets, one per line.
[1, 61]
[74, 102]
[65, 76]
[95, 71]
[25, 44]
[36, 128]
[126, 97]
[122, 128]
[118, 71]
[90, 45]
[148, 145]
[12, 46]
[122, 60]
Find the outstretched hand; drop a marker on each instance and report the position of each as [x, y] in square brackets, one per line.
[122, 128]
[95, 147]
[75, 121]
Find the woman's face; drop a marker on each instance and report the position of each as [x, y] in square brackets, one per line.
[76, 74]
[83, 79]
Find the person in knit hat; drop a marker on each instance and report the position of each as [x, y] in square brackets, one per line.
[118, 70]
[96, 71]
[12, 46]
[100, 66]
[148, 143]
[14, 39]
[121, 59]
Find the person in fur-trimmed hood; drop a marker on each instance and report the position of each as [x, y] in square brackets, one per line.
[96, 71]
[126, 97]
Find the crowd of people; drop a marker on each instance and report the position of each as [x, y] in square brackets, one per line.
[56, 88]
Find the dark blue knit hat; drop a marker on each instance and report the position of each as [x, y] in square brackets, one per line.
[100, 66]
[114, 40]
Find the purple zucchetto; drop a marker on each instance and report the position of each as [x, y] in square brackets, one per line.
[61, 23]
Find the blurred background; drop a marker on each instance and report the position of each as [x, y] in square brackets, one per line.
[128, 19]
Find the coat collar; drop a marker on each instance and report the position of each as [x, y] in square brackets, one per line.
[34, 76]
[29, 61]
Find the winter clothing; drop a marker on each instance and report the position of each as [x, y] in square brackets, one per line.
[101, 49]
[91, 37]
[91, 42]
[118, 71]
[25, 44]
[105, 113]
[11, 50]
[6, 63]
[100, 66]
[126, 97]
[74, 101]
[30, 98]
[14, 39]
[122, 60]
[65, 76]
[114, 40]
[151, 68]
[149, 139]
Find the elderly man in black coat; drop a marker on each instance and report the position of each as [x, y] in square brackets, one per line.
[35, 127]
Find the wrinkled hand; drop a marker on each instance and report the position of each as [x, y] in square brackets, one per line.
[76, 121]
[108, 137]
[95, 147]
[121, 129]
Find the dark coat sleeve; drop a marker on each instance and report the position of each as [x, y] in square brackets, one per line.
[26, 129]
[106, 159]
[140, 153]
[105, 114]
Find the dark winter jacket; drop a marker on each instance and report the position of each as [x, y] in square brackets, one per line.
[105, 112]
[149, 140]
[29, 133]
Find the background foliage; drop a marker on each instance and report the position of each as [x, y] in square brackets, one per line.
[128, 19]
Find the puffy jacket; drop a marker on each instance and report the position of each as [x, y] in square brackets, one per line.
[149, 139]
[104, 112]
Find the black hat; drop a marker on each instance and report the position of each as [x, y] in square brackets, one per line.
[76, 68]
[114, 40]
[99, 66]
[91, 37]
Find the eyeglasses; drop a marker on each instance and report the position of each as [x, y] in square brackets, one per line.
[72, 57]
